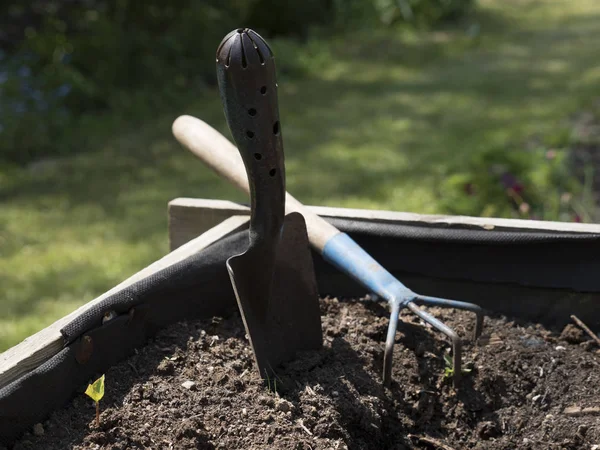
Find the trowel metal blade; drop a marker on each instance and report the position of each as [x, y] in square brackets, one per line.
[279, 304]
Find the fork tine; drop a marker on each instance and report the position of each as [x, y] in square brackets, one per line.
[388, 356]
[456, 342]
[445, 303]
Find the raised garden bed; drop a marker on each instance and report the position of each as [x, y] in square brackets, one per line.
[532, 383]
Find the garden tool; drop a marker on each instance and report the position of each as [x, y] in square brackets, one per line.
[274, 280]
[336, 247]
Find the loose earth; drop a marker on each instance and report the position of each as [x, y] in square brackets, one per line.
[194, 387]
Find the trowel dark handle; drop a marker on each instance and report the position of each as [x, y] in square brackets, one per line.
[248, 88]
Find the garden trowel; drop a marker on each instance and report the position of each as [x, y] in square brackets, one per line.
[274, 280]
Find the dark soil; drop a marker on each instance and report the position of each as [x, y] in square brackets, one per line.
[520, 394]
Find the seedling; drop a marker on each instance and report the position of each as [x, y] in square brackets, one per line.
[449, 369]
[96, 391]
[271, 382]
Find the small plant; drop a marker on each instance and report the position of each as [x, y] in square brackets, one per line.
[449, 369]
[271, 382]
[96, 391]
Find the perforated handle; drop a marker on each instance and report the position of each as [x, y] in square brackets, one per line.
[248, 88]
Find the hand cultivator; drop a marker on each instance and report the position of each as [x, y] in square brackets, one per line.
[246, 48]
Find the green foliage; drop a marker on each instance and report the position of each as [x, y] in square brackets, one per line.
[271, 382]
[288, 18]
[449, 367]
[67, 59]
[388, 12]
[528, 184]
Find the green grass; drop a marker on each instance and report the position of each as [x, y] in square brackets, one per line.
[377, 120]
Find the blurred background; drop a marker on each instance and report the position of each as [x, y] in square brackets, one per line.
[484, 108]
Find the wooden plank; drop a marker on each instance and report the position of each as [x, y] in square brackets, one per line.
[186, 223]
[189, 217]
[38, 348]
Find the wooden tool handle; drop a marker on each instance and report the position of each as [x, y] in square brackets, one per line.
[218, 153]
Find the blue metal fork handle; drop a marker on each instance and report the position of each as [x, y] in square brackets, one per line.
[344, 253]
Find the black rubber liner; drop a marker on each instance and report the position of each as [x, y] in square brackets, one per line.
[527, 258]
[540, 276]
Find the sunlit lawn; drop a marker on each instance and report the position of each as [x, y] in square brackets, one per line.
[378, 120]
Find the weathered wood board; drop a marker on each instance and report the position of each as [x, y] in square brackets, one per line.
[189, 217]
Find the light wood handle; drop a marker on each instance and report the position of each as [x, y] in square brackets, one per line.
[218, 153]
